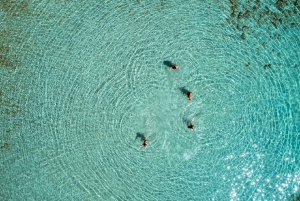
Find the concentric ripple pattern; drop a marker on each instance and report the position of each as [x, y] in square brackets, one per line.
[83, 83]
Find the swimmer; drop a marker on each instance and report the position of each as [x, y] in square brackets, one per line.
[145, 144]
[190, 95]
[191, 126]
[174, 67]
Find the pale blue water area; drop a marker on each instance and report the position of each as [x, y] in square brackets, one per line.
[83, 81]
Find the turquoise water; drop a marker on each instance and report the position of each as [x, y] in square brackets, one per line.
[82, 82]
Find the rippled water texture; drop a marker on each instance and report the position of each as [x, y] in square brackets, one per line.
[82, 83]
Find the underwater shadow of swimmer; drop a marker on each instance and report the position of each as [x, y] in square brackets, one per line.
[186, 121]
[183, 90]
[141, 136]
[168, 63]
[186, 93]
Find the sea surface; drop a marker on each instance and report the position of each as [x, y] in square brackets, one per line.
[82, 83]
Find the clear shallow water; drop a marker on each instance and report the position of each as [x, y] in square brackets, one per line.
[80, 80]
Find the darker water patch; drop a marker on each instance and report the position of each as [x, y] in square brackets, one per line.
[4, 146]
[7, 61]
[14, 45]
[294, 197]
[279, 14]
[4, 50]
[8, 55]
[243, 36]
[15, 8]
[8, 105]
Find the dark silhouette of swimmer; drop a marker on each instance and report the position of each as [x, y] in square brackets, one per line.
[171, 65]
[143, 138]
[174, 67]
[145, 143]
[190, 95]
[191, 125]
[187, 93]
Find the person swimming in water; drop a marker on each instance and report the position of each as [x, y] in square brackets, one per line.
[190, 95]
[191, 126]
[174, 67]
[145, 144]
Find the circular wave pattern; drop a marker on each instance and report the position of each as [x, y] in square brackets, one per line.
[100, 86]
